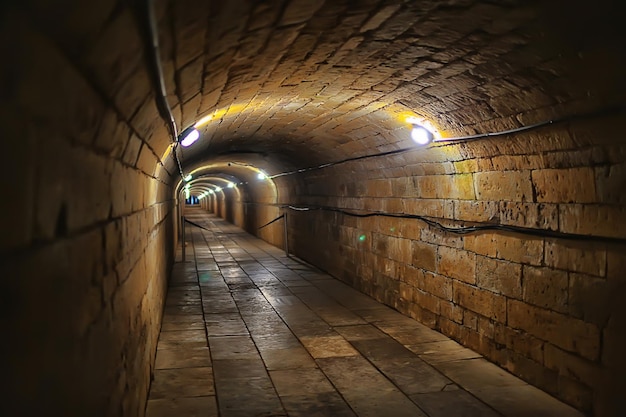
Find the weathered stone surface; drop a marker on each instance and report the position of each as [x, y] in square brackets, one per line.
[499, 276]
[547, 288]
[568, 333]
[506, 185]
[557, 186]
[483, 302]
[457, 264]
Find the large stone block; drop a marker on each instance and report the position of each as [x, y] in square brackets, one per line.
[555, 185]
[485, 303]
[563, 331]
[435, 284]
[451, 311]
[499, 276]
[520, 249]
[588, 297]
[577, 257]
[520, 342]
[503, 186]
[456, 263]
[593, 219]
[546, 287]
[424, 255]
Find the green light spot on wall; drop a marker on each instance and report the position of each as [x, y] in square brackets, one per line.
[362, 238]
[204, 277]
[393, 229]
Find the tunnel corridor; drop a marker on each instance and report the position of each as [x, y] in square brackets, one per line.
[460, 163]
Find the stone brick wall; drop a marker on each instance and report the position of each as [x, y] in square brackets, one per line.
[546, 309]
[86, 241]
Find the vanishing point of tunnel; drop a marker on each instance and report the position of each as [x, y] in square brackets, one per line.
[313, 208]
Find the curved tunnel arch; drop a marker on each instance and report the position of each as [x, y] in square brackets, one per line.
[293, 85]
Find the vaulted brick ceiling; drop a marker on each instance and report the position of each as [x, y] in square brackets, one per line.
[312, 81]
[308, 81]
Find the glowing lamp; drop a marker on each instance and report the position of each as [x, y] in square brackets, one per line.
[231, 185]
[261, 175]
[188, 177]
[190, 138]
[421, 135]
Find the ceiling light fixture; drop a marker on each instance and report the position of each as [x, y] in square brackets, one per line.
[231, 185]
[421, 135]
[261, 175]
[422, 132]
[188, 178]
[189, 137]
[218, 189]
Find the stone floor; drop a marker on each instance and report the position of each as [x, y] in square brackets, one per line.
[248, 331]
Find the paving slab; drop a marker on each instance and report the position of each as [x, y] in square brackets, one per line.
[445, 351]
[182, 382]
[326, 404]
[456, 403]
[366, 390]
[290, 358]
[182, 406]
[182, 358]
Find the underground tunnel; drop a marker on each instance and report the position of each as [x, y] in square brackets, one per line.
[309, 207]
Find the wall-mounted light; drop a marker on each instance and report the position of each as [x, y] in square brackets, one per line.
[261, 175]
[421, 135]
[422, 131]
[189, 136]
[188, 178]
[211, 192]
[218, 189]
[231, 185]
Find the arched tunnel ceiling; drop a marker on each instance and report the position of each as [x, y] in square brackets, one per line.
[311, 81]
